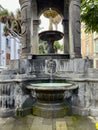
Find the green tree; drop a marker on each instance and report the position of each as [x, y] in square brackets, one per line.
[89, 14]
[42, 47]
[58, 46]
[12, 22]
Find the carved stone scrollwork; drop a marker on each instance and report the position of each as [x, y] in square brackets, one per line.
[51, 66]
[25, 25]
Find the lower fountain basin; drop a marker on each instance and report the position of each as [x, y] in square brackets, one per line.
[51, 86]
[50, 99]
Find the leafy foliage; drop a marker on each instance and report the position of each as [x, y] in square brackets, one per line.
[89, 14]
[43, 47]
[12, 22]
[58, 46]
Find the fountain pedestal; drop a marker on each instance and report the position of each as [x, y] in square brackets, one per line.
[49, 104]
[51, 36]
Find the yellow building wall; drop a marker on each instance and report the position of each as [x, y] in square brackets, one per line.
[95, 37]
[86, 43]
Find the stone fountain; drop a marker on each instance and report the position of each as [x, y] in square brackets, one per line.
[49, 95]
[51, 35]
[19, 81]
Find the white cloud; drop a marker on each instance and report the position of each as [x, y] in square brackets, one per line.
[11, 5]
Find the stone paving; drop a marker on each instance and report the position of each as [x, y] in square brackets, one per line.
[37, 123]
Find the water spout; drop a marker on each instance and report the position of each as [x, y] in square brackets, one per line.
[50, 68]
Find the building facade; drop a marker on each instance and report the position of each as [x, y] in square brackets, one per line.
[95, 40]
[86, 43]
[89, 45]
[9, 46]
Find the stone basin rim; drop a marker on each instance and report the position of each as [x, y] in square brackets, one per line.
[51, 34]
[67, 86]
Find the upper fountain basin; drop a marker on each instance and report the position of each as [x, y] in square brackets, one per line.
[51, 35]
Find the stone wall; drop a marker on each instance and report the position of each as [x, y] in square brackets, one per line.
[84, 100]
[14, 96]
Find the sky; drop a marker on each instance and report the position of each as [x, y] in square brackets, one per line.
[11, 5]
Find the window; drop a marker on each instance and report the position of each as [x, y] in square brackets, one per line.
[87, 49]
[96, 63]
[96, 46]
[7, 42]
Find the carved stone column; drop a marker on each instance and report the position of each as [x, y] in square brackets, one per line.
[25, 26]
[34, 38]
[34, 27]
[74, 28]
[65, 23]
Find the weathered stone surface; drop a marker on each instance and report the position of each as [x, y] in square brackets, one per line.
[73, 70]
[74, 28]
[13, 92]
[70, 11]
[37, 123]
